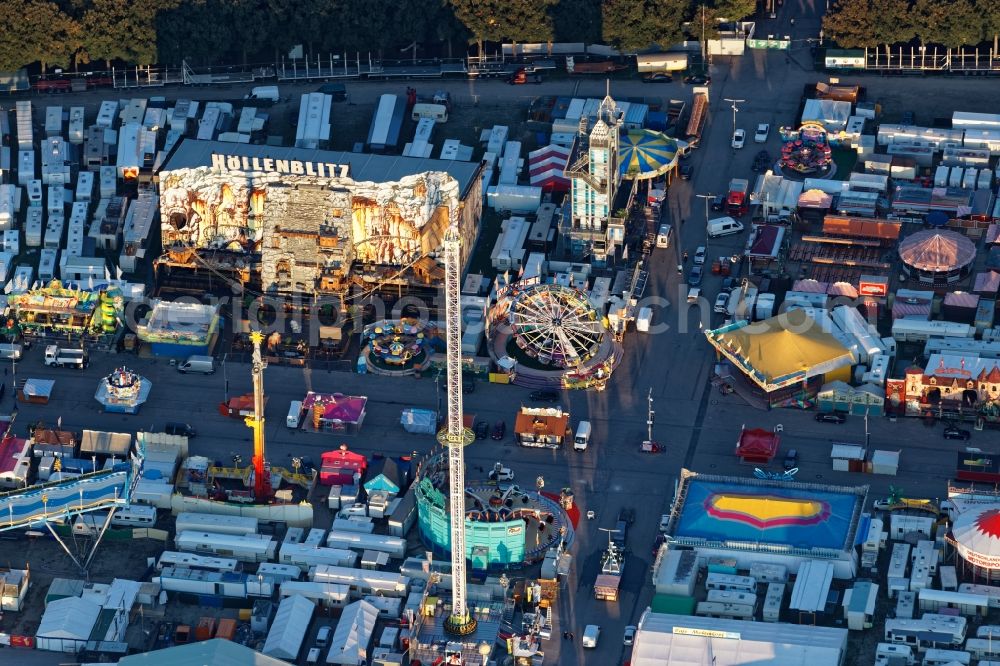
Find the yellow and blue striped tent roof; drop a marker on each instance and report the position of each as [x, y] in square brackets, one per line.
[644, 154]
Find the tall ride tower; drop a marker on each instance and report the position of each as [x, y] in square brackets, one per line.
[262, 478]
[455, 436]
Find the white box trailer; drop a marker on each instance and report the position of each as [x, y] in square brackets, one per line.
[35, 193]
[55, 201]
[395, 546]
[34, 227]
[85, 186]
[76, 125]
[109, 183]
[11, 242]
[25, 166]
[178, 560]
[54, 231]
[25, 126]
[246, 548]
[362, 581]
[662, 62]
[920, 330]
[153, 492]
[134, 110]
[47, 262]
[106, 114]
[305, 556]
[53, 121]
[216, 523]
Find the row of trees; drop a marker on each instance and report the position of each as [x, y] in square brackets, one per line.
[873, 23]
[70, 33]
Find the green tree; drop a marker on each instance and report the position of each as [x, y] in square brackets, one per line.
[631, 25]
[113, 30]
[499, 20]
[577, 21]
[735, 10]
[36, 31]
[856, 24]
[953, 24]
[989, 14]
[196, 31]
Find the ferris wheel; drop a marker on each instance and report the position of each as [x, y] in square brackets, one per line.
[556, 325]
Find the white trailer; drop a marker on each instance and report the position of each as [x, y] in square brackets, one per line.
[134, 111]
[47, 262]
[85, 186]
[246, 548]
[109, 183]
[362, 581]
[305, 556]
[190, 521]
[106, 115]
[662, 62]
[54, 231]
[76, 125]
[53, 121]
[177, 560]
[25, 128]
[25, 166]
[34, 227]
[920, 330]
[129, 160]
[313, 129]
[395, 546]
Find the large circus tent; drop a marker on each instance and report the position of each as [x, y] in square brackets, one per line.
[976, 536]
[646, 154]
[937, 256]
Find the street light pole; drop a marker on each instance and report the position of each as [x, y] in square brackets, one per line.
[734, 102]
[707, 198]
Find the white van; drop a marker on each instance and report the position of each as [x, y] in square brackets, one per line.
[294, 414]
[591, 634]
[724, 226]
[11, 351]
[264, 94]
[582, 438]
[313, 656]
[203, 364]
[663, 235]
[436, 112]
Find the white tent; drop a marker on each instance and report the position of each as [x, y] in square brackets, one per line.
[353, 635]
[66, 624]
[291, 622]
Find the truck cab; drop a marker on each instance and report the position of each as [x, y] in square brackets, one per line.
[501, 473]
[738, 199]
[66, 358]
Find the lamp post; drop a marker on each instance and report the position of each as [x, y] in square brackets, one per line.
[734, 102]
[484, 651]
[707, 197]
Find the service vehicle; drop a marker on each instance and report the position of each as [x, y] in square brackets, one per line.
[724, 226]
[66, 358]
[954, 432]
[197, 364]
[738, 199]
[501, 473]
[591, 634]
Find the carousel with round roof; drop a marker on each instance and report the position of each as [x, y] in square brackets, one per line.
[975, 534]
[937, 256]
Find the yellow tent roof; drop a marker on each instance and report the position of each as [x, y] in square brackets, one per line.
[789, 344]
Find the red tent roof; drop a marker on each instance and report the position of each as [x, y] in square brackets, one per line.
[757, 445]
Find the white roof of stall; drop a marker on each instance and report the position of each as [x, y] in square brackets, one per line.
[284, 640]
[72, 618]
[830, 113]
[353, 634]
[217, 652]
[684, 640]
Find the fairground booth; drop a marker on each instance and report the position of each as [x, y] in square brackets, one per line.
[180, 329]
[335, 412]
[58, 311]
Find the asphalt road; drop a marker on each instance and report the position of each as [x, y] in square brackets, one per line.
[698, 426]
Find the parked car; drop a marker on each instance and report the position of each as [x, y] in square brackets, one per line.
[694, 277]
[699, 256]
[721, 303]
[182, 429]
[620, 534]
[482, 429]
[729, 284]
[544, 396]
[830, 417]
[629, 634]
[627, 514]
[761, 161]
[698, 80]
[954, 432]
[686, 171]
[657, 77]
[791, 460]
[719, 203]
[499, 430]
[739, 138]
[694, 293]
[760, 136]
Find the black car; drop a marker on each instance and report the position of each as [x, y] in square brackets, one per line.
[620, 535]
[719, 203]
[499, 430]
[831, 417]
[761, 162]
[908, 118]
[791, 460]
[694, 277]
[686, 171]
[627, 514]
[482, 429]
[657, 77]
[544, 396]
[730, 283]
[698, 80]
[182, 429]
[954, 432]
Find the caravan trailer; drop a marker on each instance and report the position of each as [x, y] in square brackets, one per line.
[930, 631]
[219, 524]
[304, 556]
[313, 128]
[171, 558]
[383, 134]
[921, 330]
[246, 548]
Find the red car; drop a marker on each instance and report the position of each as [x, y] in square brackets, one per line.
[499, 430]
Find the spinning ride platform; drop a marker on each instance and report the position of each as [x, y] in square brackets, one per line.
[123, 391]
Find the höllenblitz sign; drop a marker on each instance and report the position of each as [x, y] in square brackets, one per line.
[271, 165]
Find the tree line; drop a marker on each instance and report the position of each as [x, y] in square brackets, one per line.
[875, 23]
[76, 33]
